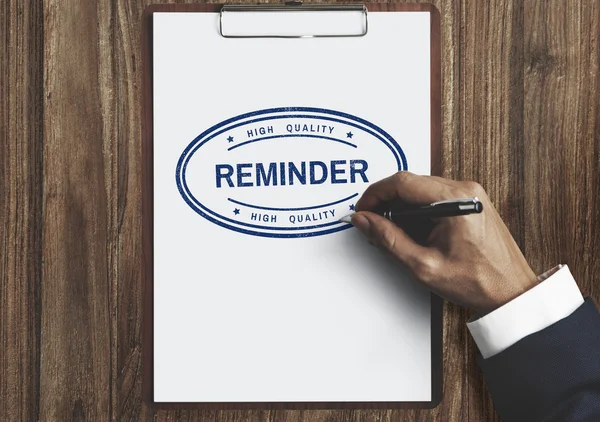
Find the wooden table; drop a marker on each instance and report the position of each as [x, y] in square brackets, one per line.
[521, 115]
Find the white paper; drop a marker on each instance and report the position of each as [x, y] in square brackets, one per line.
[250, 317]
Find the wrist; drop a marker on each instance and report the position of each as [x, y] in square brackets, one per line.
[555, 297]
[512, 287]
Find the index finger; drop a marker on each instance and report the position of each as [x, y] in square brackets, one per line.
[405, 186]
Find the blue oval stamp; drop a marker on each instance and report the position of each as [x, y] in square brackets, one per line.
[285, 172]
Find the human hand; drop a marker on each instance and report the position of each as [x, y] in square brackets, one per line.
[471, 260]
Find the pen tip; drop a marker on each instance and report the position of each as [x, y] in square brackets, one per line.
[347, 218]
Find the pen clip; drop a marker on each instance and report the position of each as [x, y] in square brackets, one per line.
[457, 201]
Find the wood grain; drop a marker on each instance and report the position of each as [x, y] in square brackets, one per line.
[562, 138]
[78, 242]
[21, 114]
[520, 113]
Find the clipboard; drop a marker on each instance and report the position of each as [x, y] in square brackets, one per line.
[148, 200]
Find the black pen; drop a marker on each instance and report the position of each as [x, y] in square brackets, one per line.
[447, 208]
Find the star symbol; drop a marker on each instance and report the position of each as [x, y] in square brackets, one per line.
[351, 206]
[349, 135]
[230, 139]
[236, 211]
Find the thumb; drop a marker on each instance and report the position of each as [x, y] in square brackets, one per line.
[385, 234]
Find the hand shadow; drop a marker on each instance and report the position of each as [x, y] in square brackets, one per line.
[389, 276]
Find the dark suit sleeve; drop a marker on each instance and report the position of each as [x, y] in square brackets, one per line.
[551, 375]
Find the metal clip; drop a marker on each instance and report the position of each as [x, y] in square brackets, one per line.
[293, 6]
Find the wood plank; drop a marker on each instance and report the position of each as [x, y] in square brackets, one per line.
[126, 61]
[21, 114]
[562, 138]
[489, 148]
[78, 238]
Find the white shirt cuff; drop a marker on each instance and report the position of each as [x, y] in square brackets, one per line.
[555, 298]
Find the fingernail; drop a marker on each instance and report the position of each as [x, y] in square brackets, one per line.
[361, 223]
